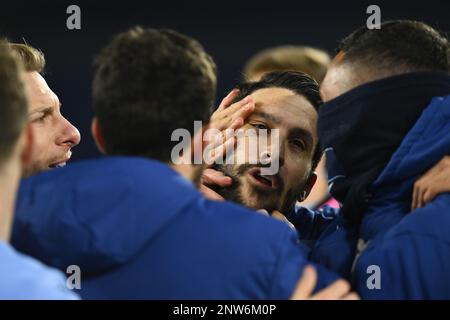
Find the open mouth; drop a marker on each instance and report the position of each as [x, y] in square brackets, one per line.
[265, 182]
[57, 165]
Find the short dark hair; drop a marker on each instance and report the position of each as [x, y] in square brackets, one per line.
[400, 45]
[298, 82]
[13, 101]
[149, 82]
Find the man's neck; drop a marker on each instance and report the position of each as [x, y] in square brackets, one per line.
[9, 181]
[191, 172]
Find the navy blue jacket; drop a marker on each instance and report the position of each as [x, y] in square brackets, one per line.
[138, 230]
[411, 249]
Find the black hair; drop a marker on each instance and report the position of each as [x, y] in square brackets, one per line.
[149, 82]
[402, 45]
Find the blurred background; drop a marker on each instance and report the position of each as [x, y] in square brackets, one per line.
[231, 32]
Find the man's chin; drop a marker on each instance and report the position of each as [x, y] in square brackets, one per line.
[56, 166]
[29, 171]
[35, 169]
[259, 201]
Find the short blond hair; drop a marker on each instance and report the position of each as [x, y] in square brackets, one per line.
[311, 61]
[32, 59]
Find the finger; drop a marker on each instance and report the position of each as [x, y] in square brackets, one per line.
[244, 111]
[335, 291]
[236, 124]
[234, 107]
[214, 177]
[420, 195]
[305, 286]
[420, 187]
[238, 105]
[210, 194]
[263, 211]
[228, 100]
[225, 119]
[218, 139]
[439, 184]
[223, 149]
[428, 196]
[414, 197]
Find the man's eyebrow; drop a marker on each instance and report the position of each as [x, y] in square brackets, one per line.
[267, 116]
[303, 133]
[43, 110]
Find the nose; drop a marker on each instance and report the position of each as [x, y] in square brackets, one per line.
[68, 134]
[273, 157]
[273, 154]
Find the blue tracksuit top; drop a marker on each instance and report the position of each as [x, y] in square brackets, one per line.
[139, 230]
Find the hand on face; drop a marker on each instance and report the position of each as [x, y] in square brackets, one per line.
[227, 116]
[231, 115]
[293, 119]
[214, 141]
[213, 177]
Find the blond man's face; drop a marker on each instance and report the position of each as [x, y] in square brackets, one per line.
[54, 135]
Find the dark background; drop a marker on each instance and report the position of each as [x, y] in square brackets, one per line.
[231, 32]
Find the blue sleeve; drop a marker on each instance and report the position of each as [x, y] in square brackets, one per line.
[311, 224]
[24, 278]
[290, 266]
[410, 266]
[49, 286]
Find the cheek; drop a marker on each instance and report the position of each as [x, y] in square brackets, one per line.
[296, 172]
[41, 139]
[246, 150]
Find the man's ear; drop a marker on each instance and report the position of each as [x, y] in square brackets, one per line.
[308, 187]
[27, 145]
[98, 136]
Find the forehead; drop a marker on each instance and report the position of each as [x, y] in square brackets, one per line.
[38, 92]
[340, 78]
[290, 108]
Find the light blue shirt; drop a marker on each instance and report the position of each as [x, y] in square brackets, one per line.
[23, 278]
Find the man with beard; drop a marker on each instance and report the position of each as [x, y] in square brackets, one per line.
[334, 245]
[285, 102]
[384, 123]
